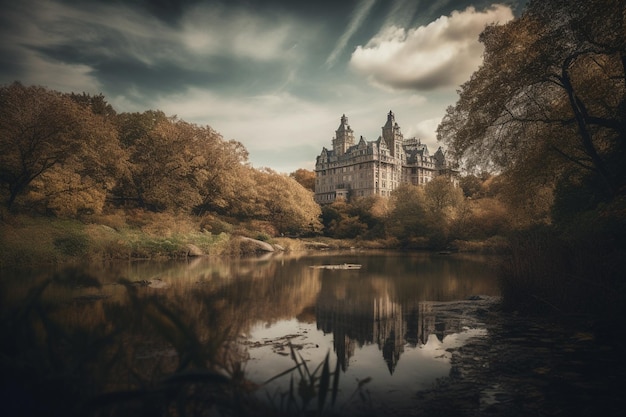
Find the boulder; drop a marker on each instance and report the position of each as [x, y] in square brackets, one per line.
[256, 245]
[193, 250]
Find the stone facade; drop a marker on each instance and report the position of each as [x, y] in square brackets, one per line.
[359, 169]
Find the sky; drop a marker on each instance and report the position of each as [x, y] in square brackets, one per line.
[275, 75]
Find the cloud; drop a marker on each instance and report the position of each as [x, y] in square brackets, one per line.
[212, 30]
[358, 16]
[401, 13]
[112, 48]
[442, 54]
[271, 126]
[425, 130]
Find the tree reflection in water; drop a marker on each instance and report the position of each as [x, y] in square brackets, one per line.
[214, 329]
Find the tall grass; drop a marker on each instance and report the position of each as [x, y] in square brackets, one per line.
[546, 271]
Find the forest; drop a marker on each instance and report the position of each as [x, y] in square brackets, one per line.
[73, 157]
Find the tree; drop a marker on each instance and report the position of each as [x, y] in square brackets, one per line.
[442, 196]
[162, 162]
[179, 166]
[305, 177]
[549, 102]
[226, 182]
[285, 203]
[42, 130]
[407, 217]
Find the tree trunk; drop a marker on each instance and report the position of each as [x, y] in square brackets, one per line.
[580, 112]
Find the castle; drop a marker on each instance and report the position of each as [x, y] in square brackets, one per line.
[365, 168]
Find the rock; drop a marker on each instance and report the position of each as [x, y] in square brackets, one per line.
[193, 250]
[256, 245]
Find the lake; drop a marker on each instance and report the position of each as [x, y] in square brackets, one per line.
[253, 318]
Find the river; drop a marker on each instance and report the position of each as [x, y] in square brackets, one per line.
[393, 327]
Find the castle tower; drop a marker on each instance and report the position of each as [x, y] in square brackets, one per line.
[344, 137]
[392, 135]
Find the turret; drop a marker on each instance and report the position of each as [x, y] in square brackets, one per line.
[392, 135]
[344, 137]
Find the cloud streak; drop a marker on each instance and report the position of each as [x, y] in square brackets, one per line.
[443, 53]
[358, 16]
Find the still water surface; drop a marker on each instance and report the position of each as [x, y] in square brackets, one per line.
[377, 321]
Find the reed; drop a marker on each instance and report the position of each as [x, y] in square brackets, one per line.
[545, 271]
[143, 356]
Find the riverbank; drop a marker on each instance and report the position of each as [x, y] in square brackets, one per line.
[39, 240]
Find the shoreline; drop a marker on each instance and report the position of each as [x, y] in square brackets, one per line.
[40, 241]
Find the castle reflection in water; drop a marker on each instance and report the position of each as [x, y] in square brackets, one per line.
[358, 315]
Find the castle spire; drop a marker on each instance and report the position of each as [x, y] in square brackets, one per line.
[344, 137]
[390, 120]
[392, 135]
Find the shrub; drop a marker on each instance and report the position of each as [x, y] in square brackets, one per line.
[72, 245]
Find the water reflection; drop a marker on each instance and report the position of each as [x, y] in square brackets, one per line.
[382, 320]
[389, 308]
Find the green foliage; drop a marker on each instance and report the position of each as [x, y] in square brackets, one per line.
[72, 245]
[263, 237]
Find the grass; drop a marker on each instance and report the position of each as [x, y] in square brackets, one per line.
[547, 273]
[134, 234]
[38, 240]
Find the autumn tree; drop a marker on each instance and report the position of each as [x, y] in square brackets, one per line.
[372, 211]
[176, 165]
[161, 161]
[83, 182]
[305, 177]
[226, 177]
[285, 203]
[442, 196]
[341, 220]
[46, 136]
[408, 218]
[548, 104]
